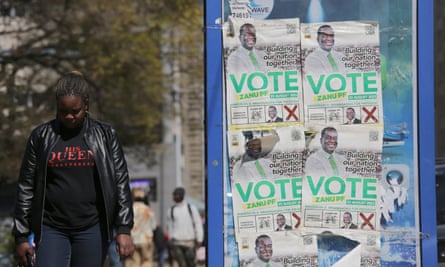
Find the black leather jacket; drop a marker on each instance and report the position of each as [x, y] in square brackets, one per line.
[113, 175]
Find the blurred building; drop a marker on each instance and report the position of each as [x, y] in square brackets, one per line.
[181, 154]
[179, 158]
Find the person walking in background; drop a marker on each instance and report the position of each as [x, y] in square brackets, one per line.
[185, 229]
[160, 241]
[73, 187]
[142, 233]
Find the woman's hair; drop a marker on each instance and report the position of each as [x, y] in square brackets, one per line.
[72, 84]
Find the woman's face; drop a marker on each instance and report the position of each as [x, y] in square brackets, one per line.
[71, 111]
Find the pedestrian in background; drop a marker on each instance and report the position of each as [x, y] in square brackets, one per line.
[142, 233]
[185, 230]
[73, 187]
[160, 240]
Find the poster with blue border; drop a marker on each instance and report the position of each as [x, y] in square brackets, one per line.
[399, 86]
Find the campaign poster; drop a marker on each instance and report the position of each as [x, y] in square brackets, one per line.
[262, 73]
[341, 73]
[342, 173]
[266, 169]
[398, 185]
[277, 249]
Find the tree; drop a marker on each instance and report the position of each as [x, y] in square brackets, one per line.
[117, 44]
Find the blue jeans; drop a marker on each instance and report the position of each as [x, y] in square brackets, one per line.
[113, 256]
[161, 257]
[67, 248]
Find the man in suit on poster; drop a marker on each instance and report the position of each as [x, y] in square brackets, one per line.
[350, 116]
[273, 114]
[326, 161]
[281, 223]
[255, 164]
[324, 59]
[264, 252]
[247, 58]
[347, 221]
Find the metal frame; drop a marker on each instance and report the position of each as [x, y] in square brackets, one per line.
[215, 131]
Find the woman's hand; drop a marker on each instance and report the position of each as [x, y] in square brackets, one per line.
[22, 250]
[124, 245]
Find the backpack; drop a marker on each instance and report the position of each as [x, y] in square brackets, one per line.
[190, 212]
[191, 216]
